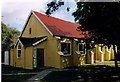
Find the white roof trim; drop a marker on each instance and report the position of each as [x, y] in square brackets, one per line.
[20, 42]
[16, 42]
[42, 23]
[34, 44]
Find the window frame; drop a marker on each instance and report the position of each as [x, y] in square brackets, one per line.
[18, 50]
[84, 48]
[70, 49]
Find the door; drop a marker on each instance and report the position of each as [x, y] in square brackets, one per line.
[35, 57]
[40, 57]
[94, 50]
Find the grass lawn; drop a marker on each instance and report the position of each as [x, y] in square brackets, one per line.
[15, 70]
[87, 73]
[16, 78]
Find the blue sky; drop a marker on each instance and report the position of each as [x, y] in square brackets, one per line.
[15, 12]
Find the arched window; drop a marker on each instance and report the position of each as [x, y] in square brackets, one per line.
[19, 51]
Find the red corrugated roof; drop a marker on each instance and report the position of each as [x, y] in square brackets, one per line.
[60, 27]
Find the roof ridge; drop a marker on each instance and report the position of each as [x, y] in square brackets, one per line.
[56, 18]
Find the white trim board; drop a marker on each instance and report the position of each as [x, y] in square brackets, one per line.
[18, 41]
[34, 44]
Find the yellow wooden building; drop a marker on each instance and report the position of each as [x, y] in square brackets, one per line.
[52, 42]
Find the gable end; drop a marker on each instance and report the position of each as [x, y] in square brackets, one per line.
[42, 23]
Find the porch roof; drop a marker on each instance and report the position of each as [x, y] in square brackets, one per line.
[32, 41]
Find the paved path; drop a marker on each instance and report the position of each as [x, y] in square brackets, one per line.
[18, 74]
[40, 75]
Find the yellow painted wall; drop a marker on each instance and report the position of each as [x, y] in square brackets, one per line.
[19, 62]
[78, 59]
[37, 29]
[100, 55]
[106, 54]
[112, 52]
[74, 59]
[52, 59]
[28, 57]
[90, 57]
[75, 55]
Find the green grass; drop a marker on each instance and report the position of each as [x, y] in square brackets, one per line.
[16, 78]
[87, 73]
[10, 70]
[15, 70]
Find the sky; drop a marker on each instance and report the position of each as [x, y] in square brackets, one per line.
[15, 12]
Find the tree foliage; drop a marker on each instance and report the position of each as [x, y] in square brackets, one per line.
[53, 6]
[9, 36]
[103, 19]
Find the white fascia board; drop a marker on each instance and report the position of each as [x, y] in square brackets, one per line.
[34, 44]
[19, 41]
[42, 23]
[26, 23]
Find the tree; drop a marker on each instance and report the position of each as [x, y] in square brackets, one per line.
[103, 19]
[9, 36]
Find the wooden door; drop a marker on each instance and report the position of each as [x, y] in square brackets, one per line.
[94, 54]
[40, 57]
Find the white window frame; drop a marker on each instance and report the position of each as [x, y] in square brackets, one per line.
[70, 49]
[19, 49]
[81, 51]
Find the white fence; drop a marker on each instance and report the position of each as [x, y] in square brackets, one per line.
[6, 57]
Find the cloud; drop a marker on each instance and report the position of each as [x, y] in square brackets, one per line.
[15, 12]
[62, 13]
[59, 14]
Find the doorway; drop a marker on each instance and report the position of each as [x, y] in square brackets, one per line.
[38, 57]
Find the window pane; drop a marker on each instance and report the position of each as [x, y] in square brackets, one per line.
[68, 48]
[82, 48]
[65, 48]
[19, 53]
[19, 46]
